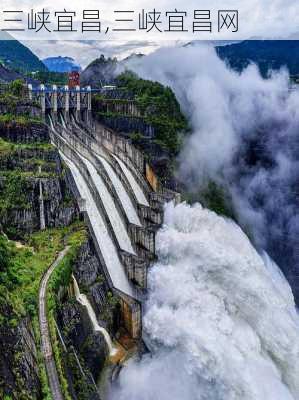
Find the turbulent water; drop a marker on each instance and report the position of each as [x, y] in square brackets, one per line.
[220, 319]
[244, 137]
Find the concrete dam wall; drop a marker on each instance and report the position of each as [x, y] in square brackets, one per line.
[120, 206]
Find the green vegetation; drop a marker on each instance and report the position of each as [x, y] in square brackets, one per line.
[16, 56]
[21, 270]
[13, 195]
[13, 96]
[158, 107]
[8, 147]
[50, 78]
[5, 147]
[21, 120]
[23, 266]
[61, 278]
[16, 88]
[19, 169]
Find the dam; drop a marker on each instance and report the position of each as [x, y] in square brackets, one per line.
[110, 180]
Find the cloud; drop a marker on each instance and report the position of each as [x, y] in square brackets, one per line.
[86, 51]
[244, 137]
[220, 320]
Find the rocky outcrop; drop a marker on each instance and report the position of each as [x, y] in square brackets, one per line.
[23, 216]
[86, 349]
[29, 159]
[28, 133]
[100, 72]
[73, 319]
[19, 375]
[28, 165]
[127, 124]
[78, 332]
[90, 276]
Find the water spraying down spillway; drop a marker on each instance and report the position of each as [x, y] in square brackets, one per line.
[220, 318]
[113, 214]
[122, 193]
[133, 183]
[82, 299]
[108, 250]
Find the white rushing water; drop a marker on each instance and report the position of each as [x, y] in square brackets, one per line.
[82, 299]
[108, 250]
[133, 183]
[112, 212]
[121, 192]
[220, 318]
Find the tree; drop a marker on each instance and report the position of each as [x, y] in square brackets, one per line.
[16, 87]
[4, 254]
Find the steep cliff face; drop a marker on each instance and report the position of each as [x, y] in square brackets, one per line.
[90, 276]
[19, 374]
[28, 165]
[31, 174]
[24, 216]
[31, 167]
[73, 318]
[31, 132]
[127, 124]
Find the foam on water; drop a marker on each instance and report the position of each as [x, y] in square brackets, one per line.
[220, 318]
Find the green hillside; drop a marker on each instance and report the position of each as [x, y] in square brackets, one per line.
[18, 57]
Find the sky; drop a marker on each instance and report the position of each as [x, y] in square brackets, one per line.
[263, 19]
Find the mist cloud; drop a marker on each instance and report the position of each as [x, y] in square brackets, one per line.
[220, 320]
[245, 137]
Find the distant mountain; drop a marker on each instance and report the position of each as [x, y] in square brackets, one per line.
[8, 76]
[61, 64]
[100, 72]
[267, 54]
[103, 71]
[16, 56]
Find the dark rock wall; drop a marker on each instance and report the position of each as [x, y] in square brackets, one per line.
[31, 152]
[76, 327]
[60, 209]
[29, 161]
[29, 133]
[19, 376]
[127, 124]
